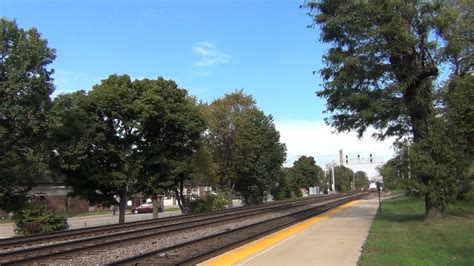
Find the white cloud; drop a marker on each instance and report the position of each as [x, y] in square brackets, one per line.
[318, 140]
[209, 55]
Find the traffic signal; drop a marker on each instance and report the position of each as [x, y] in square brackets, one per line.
[371, 157]
[347, 160]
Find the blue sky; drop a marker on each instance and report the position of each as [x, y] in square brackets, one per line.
[209, 47]
[262, 47]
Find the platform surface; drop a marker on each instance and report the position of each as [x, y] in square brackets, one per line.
[334, 238]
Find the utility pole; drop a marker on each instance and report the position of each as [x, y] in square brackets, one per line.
[341, 161]
[353, 181]
[409, 167]
[333, 181]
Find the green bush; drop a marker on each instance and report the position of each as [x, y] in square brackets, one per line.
[205, 205]
[36, 218]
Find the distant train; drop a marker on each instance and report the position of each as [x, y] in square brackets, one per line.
[373, 186]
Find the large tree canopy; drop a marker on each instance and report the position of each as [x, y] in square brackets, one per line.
[25, 86]
[244, 146]
[123, 136]
[382, 64]
[360, 180]
[270, 154]
[306, 173]
[343, 178]
[382, 68]
[97, 137]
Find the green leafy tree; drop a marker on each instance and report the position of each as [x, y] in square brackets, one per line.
[391, 174]
[305, 173]
[232, 148]
[124, 137]
[25, 87]
[361, 180]
[102, 159]
[456, 115]
[282, 189]
[270, 154]
[244, 146]
[382, 67]
[343, 178]
[170, 142]
[458, 126]
[71, 132]
[36, 218]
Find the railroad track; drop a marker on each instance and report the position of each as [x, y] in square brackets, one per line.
[195, 251]
[71, 235]
[92, 245]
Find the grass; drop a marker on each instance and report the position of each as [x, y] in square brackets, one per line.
[171, 209]
[400, 235]
[5, 220]
[89, 213]
[397, 192]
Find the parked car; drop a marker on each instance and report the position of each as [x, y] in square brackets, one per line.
[144, 208]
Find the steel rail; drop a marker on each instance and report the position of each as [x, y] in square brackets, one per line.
[62, 249]
[208, 246]
[15, 242]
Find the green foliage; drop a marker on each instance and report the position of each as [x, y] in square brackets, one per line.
[374, 75]
[25, 86]
[361, 180]
[305, 173]
[244, 146]
[381, 73]
[96, 140]
[125, 136]
[437, 162]
[458, 122]
[270, 155]
[343, 178]
[171, 133]
[454, 25]
[392, 177]
[36, 218]
[206, 205]
[282, 189]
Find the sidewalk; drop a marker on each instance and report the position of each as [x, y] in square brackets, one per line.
[334, 238]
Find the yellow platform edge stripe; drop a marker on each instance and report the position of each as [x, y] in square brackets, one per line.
[238, 254]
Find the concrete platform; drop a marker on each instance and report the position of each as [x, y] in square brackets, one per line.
[333, 238]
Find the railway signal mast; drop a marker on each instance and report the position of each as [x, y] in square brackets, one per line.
[352, 161]
[362, 160]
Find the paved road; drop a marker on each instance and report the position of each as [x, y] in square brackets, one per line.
[6, 230]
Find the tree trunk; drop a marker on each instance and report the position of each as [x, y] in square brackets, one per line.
[181, 199]
[178, 199]
[155, 206]
[433, 210]
[229, 198]
[418, 98]
[230, 188]
[122, 206]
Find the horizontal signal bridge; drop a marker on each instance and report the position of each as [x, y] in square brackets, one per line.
[370, 160]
